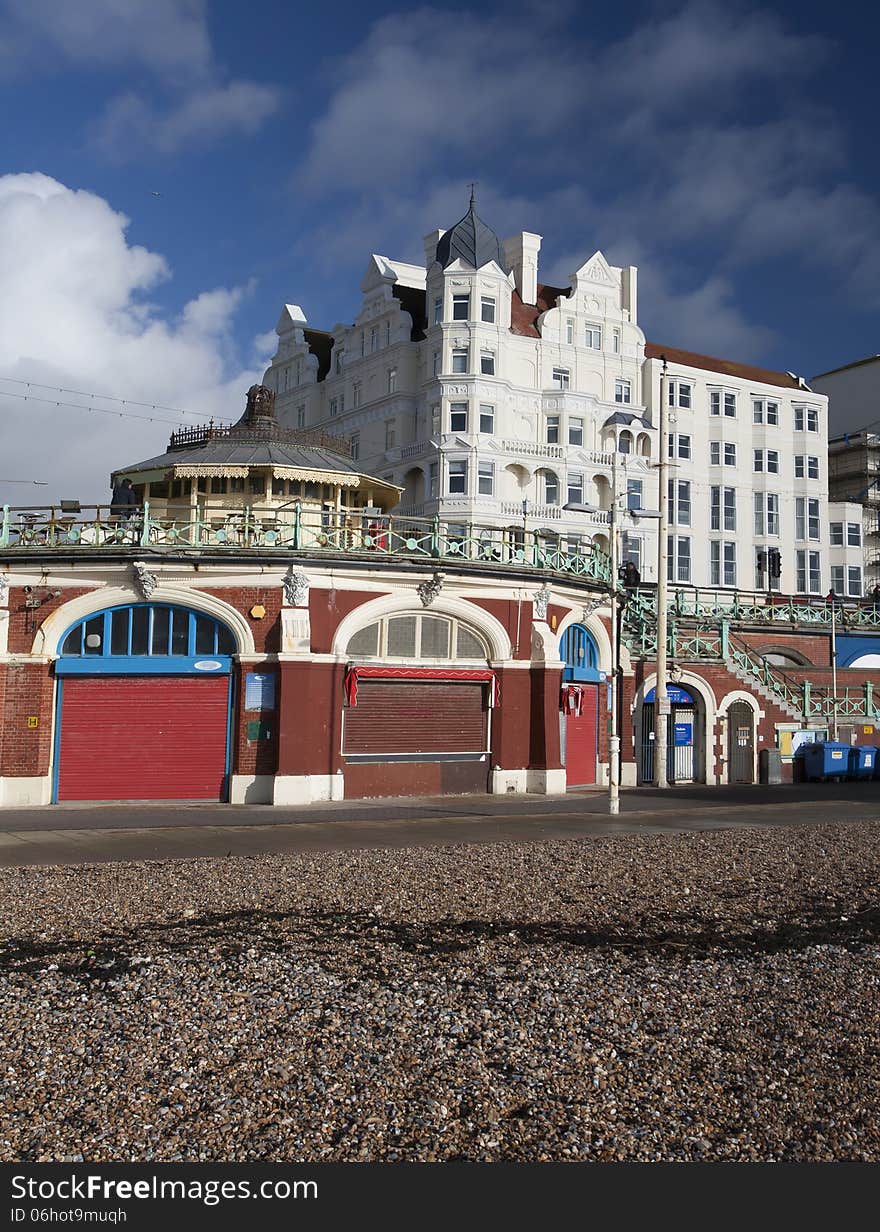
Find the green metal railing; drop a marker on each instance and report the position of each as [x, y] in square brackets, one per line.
[803, 698]
[290, 529]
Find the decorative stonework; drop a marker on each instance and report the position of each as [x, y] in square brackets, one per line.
[589, 608]
[145, 581]
[541, 599]
[429, 590]
[598, 273]
[296, 588]
[4, 589]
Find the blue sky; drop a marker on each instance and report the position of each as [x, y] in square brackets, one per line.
[726, 149]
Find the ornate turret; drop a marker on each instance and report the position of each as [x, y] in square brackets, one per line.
[260, 410]
[472, 242]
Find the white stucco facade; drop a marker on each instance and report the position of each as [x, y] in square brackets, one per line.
[475, 389]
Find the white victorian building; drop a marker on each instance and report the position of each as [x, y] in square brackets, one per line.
[495, 401]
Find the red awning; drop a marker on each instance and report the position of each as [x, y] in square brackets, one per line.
[482, 674]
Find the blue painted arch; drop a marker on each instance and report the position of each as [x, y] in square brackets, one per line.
[146, 639]
[579, 654]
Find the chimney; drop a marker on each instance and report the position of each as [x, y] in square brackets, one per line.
[432, 239]
[521, 253]
[629, 281]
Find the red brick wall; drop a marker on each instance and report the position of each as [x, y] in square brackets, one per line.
[328, 608]
[310, 718]
[24, 622]
[510, 731]
[815, 647]
[253, 756]
[25, 689]
[266, 631]
[544, 743]
[505, 611]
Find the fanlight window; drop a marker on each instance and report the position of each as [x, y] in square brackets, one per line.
[148, 629]
[417, 636]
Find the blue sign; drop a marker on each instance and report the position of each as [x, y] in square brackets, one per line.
[259, 691]
[676, 694]
[683, 734]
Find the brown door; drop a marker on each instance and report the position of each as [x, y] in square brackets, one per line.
[741, 743]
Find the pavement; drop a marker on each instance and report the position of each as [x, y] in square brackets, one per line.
[100, 833]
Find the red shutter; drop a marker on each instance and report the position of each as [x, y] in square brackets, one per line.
[581, 740]
[411, 716]
[143, 738]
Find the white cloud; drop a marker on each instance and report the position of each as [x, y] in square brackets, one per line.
[75, 314]
[166, 36]
[130, 123]
[697, 134]
[170, 40]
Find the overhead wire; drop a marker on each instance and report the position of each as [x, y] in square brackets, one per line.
[81, 393]
[121, 409]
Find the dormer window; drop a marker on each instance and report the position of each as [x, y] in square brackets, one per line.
[461, 307]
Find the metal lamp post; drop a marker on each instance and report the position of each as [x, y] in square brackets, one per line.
[662, 707]
[614, 603]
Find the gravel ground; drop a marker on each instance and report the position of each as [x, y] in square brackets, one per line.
[705, 996]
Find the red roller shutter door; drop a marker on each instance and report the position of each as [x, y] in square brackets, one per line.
[410, 716]
[143, 738]
[582, 740]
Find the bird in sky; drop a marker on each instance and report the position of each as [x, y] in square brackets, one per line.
[155, 194]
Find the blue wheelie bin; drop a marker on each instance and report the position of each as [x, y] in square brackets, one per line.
[862, 761]
[826, 759]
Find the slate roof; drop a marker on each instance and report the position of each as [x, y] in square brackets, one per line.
[232, 451]
[726, 367]
[472, 242]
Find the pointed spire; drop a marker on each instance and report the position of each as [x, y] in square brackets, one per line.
[471, 241]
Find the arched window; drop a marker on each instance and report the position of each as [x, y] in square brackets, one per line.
[417, 635]
[147, 629]
[579, 654]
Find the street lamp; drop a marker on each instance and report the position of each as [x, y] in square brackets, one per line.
[614, 602]
[662, 708]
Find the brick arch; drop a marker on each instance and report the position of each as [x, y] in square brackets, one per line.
[48, 637]
[799, 659]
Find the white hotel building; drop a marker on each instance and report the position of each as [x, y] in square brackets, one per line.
[475, 387]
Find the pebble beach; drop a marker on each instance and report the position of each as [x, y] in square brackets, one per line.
[709, 996]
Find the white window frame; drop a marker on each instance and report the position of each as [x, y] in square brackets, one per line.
[623, 391]
[457, 477]
[461, 409]
[560, 378]
[487, 309]
[576, 429]
[487, 412]
[461, 360]
[487, 363]
[681, 394]
[593, 336]
[678, 558]
[485, 478]
[460, 302]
